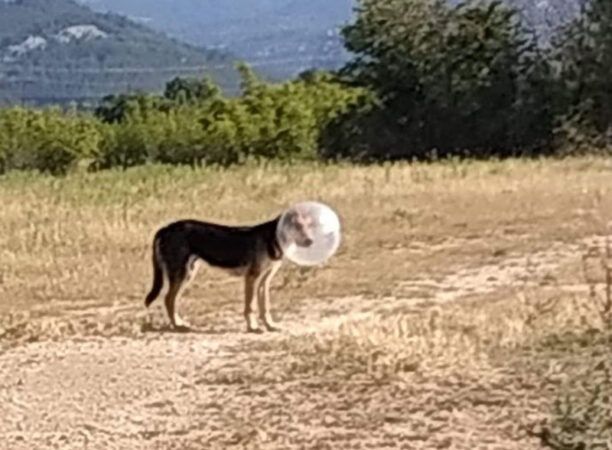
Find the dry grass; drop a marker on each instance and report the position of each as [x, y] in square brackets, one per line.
[450, 318]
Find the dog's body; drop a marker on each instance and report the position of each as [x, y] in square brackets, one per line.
[252, 252]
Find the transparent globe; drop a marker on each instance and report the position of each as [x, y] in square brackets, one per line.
[309, 233]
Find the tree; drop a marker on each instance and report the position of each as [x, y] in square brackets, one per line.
[191, 90]
[447, 78]
[178, 91]
[583, 54]
[116, 108]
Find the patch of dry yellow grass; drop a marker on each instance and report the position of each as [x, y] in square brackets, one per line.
[86, 238]
[83, 242]
[429, 354]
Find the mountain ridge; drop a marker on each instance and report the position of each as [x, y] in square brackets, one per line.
[58, 49]
[285, 37]
[281, 37]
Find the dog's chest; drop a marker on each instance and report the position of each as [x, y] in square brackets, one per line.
[238, 271]
[262, 263]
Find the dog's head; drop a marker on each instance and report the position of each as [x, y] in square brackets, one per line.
[300, 226]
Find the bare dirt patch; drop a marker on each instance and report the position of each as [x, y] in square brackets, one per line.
[422, 333]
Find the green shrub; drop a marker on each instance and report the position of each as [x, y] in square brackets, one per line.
[267, 121]
[191, 124]
[583, 53]
[46, 140]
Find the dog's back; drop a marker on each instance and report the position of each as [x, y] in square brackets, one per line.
[179, 243]
[219, 245]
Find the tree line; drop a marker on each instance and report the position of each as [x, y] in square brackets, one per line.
[427, 79]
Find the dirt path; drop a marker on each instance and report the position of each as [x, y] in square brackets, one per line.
[154, 391]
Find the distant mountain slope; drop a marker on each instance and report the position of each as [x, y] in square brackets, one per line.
[544, 16]
[280, 37]
[284, 37]
[58, 50]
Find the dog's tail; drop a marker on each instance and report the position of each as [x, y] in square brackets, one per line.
[158, 276]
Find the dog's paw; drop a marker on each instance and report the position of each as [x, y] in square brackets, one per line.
[182, 328]
[273, 328]
[254, 330]
[181, 325]
[269, 324]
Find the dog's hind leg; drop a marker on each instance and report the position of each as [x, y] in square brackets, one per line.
[173, 293]
[250, 292]
[178, 280]
[191, 270]
[263, 298]
[158, 275]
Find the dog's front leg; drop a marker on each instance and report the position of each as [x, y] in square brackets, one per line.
[263, 299]
[249, 303]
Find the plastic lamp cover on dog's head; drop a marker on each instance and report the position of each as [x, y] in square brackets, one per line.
[323, 227]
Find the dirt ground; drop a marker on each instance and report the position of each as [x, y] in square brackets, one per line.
[369, 356]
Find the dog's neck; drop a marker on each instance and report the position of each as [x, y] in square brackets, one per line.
[275, 251]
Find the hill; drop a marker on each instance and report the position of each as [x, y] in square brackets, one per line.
[284, 37]
[57, 50]
[54, 50]
[544, 16]
[279, 37]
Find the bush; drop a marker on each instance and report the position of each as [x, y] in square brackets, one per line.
[285, 121]
[195, 125]
[583, 53]
[46, 140]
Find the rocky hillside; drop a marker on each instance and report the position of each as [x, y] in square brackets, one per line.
[284, 37]
[279, 37]
[57, 50]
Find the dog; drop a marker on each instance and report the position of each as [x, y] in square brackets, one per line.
[252, 252]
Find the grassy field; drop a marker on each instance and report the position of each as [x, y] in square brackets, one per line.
[466, 308]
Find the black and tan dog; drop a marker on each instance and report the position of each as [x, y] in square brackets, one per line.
[252, 252]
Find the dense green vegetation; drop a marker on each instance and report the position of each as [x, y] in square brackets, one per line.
[427, 78]
[191, 123]
[438, 71]
[583, 55]
[471, 79]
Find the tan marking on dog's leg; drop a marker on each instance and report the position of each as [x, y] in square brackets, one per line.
[192, 269]
[179, 322]
[249, 303]
[263, 299]
[170, 300]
